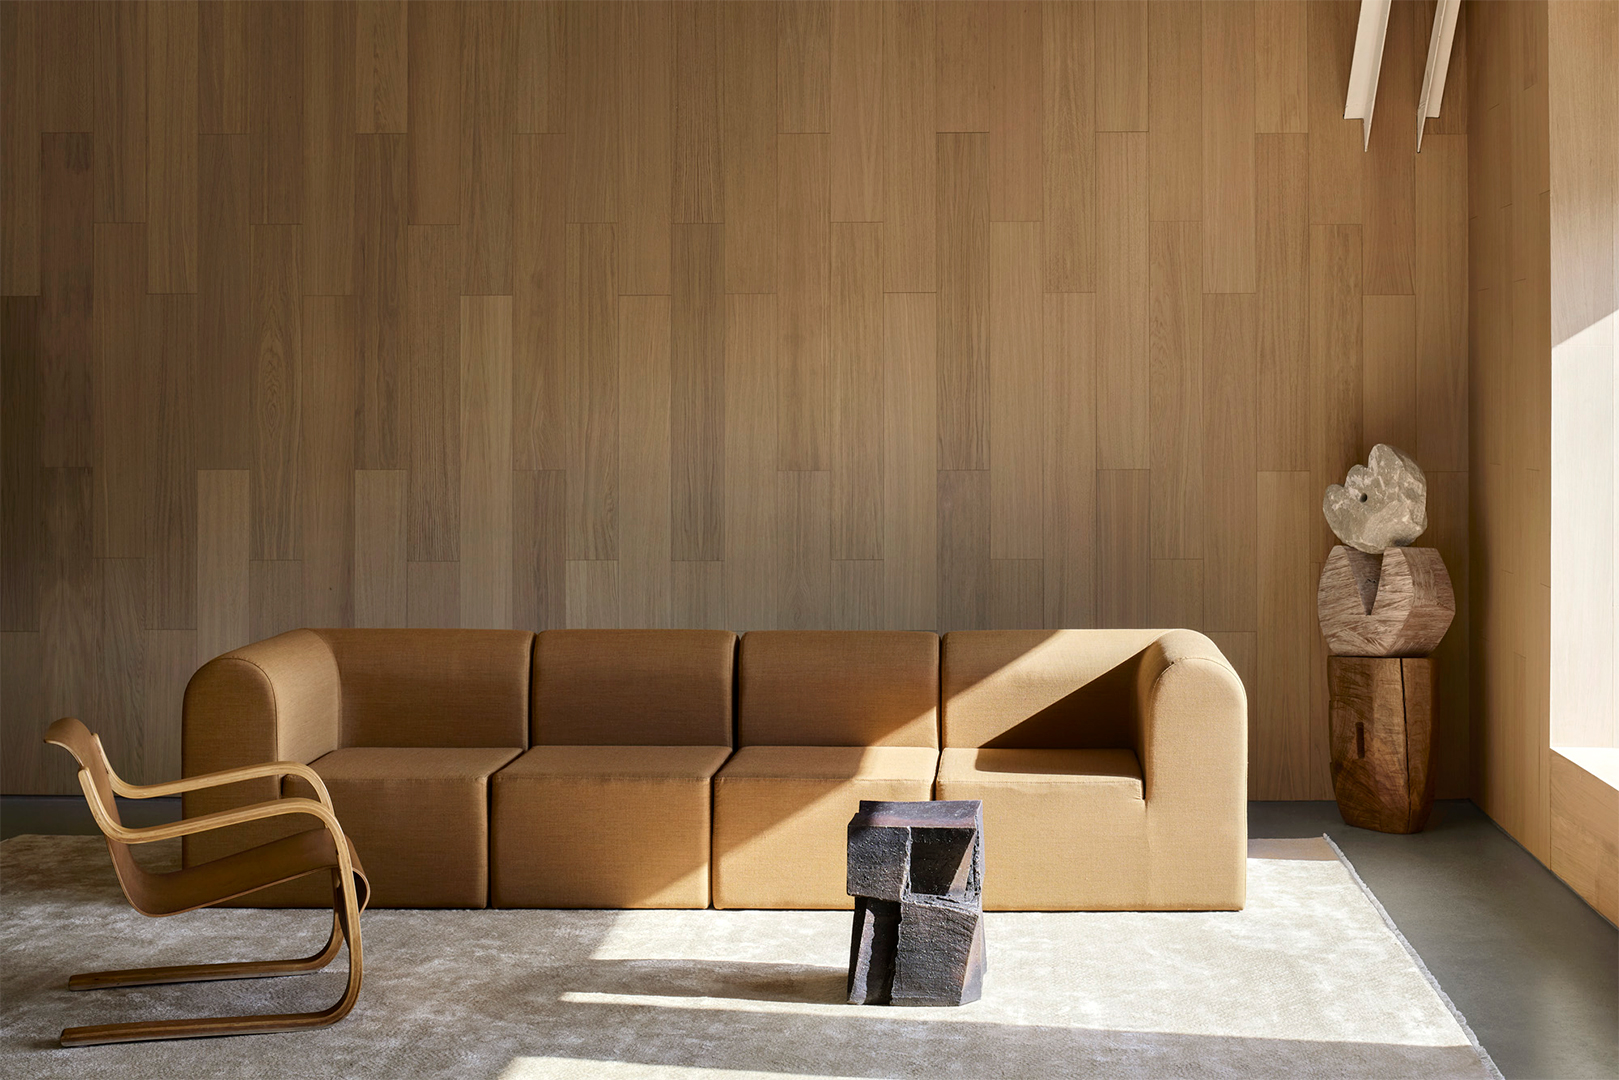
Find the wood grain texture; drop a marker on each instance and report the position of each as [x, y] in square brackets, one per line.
[1388, 164]
[120, 671]
[1584, 845]
[980, 400]
[1122, 433]
[646, 412]
[1382, 734]
[1399, 603]
[694, 335]
[963, 302]
[1121, 66]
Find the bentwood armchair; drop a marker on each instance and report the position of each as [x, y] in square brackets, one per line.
[323, 848]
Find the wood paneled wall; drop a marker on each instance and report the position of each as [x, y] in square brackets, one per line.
[745, 314]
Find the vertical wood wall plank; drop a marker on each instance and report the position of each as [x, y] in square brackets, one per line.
[1228, 148]
[120, 131]
[275, 597]
[1016, 391]
[70, 604]
[1176, 593]
[1122, 406]
[1175, 110]
[804, 64]
[118, 678]
[542, 67]
[962, 65]
[222, 69]
[856, 111]
[226, 353]
[593, 593]
[277, 391]
[1278, 741]
[804, 551]
[1017, 594]
[1175, 355]
[121, 378]
[381, 258]
[1441, 298]
[694, 442]
[1016, 165]
[1281, 169]
[750, 462]
[910, 461]
[539, 531]
[696, 87]
[20, 223]
[1388, 163]
[1231, 440]
[66, 302]
[22, 700]
[645, 461]
[329, 165]
[381, 67]
[66, 65]
[1121, 66]
[963, 302]
[21, 497]
[1335, 356]
[1123, 558]
[1069, 494]
[432, 412]
[593, 119]
[486, 461]
[646, 154]
[488, 120]
[276, 109]
[1069, 108]
[329, 384]
[170, 328]
[224, 532]
[434, 103]
[697, 595]
[171, 148]
[1335, 143]
[748, 37]
[964, 570]
[433, 594]
[803, 266]
[856, 391]
[540, 422]
[1281, 66]
[379, 547]
[591, 392]
[909, 148]
[1389, 371]
[170, 659]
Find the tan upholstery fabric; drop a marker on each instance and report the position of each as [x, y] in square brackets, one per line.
[275, 700]
[433, 687]
[838, 688]
[632, 687]
[419, 818]
[1161, 825]
[603, 827]
[781, 818]
[1058, 825]
[1040, 688]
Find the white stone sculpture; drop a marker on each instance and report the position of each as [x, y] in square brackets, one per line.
[1381, 504]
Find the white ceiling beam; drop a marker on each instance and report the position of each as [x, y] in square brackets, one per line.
[1433, 76]
[1368, 62]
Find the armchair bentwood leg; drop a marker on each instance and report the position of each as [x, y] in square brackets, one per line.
[323, 848]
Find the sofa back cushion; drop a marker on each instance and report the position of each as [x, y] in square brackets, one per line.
[838, 688]
[632, 687]
[1041, 689]
[433, 687]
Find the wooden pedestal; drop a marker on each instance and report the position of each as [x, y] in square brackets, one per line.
[1381, 719]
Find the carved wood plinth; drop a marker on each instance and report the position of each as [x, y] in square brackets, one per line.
[1399, 603]
[1381, 716]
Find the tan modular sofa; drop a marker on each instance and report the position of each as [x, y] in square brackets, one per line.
[594, 768]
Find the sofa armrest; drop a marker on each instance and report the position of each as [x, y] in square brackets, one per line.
[1191, 719]
[275, 700]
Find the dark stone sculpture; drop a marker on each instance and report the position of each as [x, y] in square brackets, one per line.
[916, 871]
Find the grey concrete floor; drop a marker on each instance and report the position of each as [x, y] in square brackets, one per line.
[1532, 967]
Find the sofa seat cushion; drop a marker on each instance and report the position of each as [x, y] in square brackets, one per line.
[1064, 830]
[781, 818]
[418, 816]
[603, 827]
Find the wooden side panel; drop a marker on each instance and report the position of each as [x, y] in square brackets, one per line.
[1439, 269]
[748, 97]
[1336, 311]
[1123, 406]
[646, 158]
[1017, 391]
[1230, 538]
[962, 65]
[171, 148]
[693, 446]
[1069, 117]
[66, 302]
[1279, 740]
[121, 377]
[542, 83]
[222, 68]
[434, 31]
[750, 581]
[381, 262]
[488, 120]
[804, 63]
[1389, 162]
[804, 551]
[224, 520]
[963, 302]
[594, 117]
[277, 391]
[591, 390]
[964, 563]
[21, 497]
[645, 461]
[432, 404]
[910, 461]
[275, 84]
[486, 461]
[1121, 66]
[20, 223]
[120, 121]
[539, 532]
[1335, 143]
[1282, 169]
[226, 351]
[1175, 110]
[170, 330]
[70, 606]
[379, 547]
[1228, 148]
[328, 151]
[381, 67]
[1123, 553]
[803, 267]
[1016, 128]
[1175, 379]
[1068, 497]
[1281, 66]
[329, 385]
[856, 109]
[539, 303]
[1584, 836]
[856, 391]
[908, 147]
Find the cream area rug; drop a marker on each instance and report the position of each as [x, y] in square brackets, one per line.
[1309, 980]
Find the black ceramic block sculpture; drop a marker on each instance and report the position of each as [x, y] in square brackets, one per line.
[916, 871]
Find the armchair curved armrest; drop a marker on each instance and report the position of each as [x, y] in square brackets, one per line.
[208, 822]
[226, 776]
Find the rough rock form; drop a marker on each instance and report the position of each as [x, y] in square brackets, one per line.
[916, 871]
[1381, 504]
[1399, 603]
